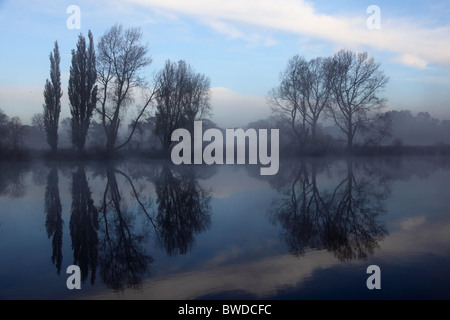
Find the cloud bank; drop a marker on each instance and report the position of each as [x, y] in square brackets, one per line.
[412, 44]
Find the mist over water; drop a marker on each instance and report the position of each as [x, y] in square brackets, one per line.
[153, 230]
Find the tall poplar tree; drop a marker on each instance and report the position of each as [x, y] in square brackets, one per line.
[52, 98]
[82, 90]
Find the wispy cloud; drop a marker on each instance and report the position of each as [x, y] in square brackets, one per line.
[413, 44]
[234, 32]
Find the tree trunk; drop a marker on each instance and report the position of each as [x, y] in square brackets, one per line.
[349, 142]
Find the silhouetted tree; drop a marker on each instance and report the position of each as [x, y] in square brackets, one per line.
[182, 97]
[52, 97]
[316, 83]
[54, 222]
[82, 89]
[15, 133]
[11, 135]
[121, 57]
[84, 226]
[303, 94]
[4, 120]
[288, 98]
[357, 79]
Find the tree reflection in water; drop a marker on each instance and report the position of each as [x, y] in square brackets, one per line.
[183, 209]
[110, 237]
[54, 222]
[122, 258]
[12, 179]
[343, 221]
[83, 225]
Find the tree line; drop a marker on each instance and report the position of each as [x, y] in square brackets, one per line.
[106, 79]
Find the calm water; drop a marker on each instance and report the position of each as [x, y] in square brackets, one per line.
[151, 230]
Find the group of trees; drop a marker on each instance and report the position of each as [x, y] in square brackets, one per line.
[106, 80]
[343, 87]
[11, 132]
[106, 84]
[418, 129]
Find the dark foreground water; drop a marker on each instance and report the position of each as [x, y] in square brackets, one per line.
[152, 230]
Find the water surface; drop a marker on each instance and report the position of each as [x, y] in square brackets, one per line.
[152, 230]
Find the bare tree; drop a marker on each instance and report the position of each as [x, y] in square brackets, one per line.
[182, 97]
[37, 121]
[121, 58]
[288, 99]
[4, 121]
[11, 133]
[357, 79]
[315, 82]
[52, 96]
[15, 133]
[303, 94]
[82, 90]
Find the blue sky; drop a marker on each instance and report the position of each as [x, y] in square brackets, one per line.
[241, 45]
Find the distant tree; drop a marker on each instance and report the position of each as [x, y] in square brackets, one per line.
[426, 118]
[357, 79]
[52, 97]
[82, 90]
[96, 135]
[139, 130]
[11, 133]
[37, 121]
[444, 131]
[15, 133]
[378, 131]
[65, 132]
[182, 97]
[419, 129]
[4, 120]
[121, 58]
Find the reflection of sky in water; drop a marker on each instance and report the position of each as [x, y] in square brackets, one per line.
[242, 254]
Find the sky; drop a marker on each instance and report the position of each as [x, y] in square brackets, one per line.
[242, 46]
